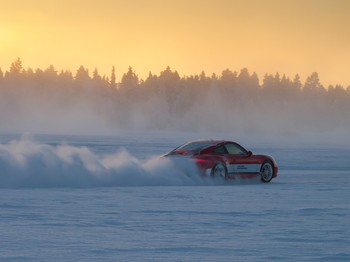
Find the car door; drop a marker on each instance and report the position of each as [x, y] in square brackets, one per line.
[239, 160]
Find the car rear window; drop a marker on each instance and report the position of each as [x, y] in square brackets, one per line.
[220, 150]
[194, 146]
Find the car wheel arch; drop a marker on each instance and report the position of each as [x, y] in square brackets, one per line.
[219, 170]
[267, 171]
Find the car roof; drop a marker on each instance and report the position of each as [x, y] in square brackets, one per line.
[202, 144]
[211, 141]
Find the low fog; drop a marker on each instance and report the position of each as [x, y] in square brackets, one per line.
[51, 102]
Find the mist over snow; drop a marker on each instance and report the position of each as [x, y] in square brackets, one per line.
[47, 101]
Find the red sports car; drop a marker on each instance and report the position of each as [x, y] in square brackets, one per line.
[226, 159]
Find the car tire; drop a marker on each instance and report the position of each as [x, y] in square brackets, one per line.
[219, 170]
[266, 172]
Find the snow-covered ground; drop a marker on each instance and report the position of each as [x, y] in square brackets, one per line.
[74, 198]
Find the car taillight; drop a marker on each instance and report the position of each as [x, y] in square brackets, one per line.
[198, 160]
[181, 152]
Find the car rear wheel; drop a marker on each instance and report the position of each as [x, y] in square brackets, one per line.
[219, 170]
[266, 172]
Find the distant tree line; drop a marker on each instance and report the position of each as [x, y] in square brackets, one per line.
[232, 100]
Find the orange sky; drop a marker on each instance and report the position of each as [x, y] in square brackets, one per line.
[288, 36]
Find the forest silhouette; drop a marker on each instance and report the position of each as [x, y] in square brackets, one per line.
[55, 102]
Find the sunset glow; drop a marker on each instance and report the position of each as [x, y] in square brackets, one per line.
[269, 36]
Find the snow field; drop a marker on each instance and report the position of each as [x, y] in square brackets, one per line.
[88, 199]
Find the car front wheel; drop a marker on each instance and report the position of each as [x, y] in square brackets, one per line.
[219, 170]
[266, 172]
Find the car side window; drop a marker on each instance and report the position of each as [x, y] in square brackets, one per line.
[235, 149]
[220, 150]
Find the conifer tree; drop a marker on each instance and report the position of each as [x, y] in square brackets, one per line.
[82, 74]
[113, 84]
[129, 80]
[16, 67]
[95, 75]
[312, 84]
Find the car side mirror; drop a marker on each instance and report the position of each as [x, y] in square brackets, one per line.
[250, 153]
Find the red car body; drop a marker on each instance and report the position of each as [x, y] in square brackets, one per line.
[226, 159]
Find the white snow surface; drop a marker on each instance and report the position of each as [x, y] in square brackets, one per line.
[85, 198]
